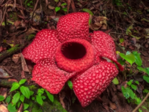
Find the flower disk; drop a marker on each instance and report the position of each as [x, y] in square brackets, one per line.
[75, 55]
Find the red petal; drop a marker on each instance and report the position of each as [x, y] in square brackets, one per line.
[105, 45]
[48, 76]
[73, 25]
[90, 84]
[43, 46]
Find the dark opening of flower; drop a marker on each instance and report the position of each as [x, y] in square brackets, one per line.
[69, 53]
[73, 50]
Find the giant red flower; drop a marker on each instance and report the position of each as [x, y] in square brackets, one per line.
[71, 52]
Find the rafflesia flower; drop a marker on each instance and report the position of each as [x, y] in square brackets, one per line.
[72, 53]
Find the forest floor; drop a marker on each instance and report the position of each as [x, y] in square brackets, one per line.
[125, 20]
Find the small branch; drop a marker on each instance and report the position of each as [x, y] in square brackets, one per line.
[8, 84]
[18, 47]
[141, 103]
[5, 83]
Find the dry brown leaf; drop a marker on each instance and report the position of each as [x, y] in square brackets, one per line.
[22, 74]
[20, 108]
[24, 65]
[3, 108]
[15, 58]
[113, 106]
[51, 7]
[98, 22]
[12, 80]
[3, 92]
[61, 97]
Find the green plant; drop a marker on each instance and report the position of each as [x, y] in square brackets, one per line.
[28, 3]
[25, 95]
[62, 7]
[117, 2]
[130, 89]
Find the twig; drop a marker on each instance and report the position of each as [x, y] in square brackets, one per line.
[34, 8]
[141, 103]
[5, 83]
[7, 53]
[73, 6]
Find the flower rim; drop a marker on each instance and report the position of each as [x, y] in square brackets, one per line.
[70, 64]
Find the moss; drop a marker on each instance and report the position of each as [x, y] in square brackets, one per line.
[29, 37]
[13, 48]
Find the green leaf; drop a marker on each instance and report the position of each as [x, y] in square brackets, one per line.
[128, 93]
[25, 91]
[56, 0]
[63, 4]
[129, 58]
[57, 9]
[115, 81]
[22, 81]
[43, 97]
[1, 98]
[129, 82]
[12, 108]
[121, 40]
[140, 110]
[146, 78]
[50, 96]
[22, 97]
[145, 91]
[141, 69]
[33, 98]
[128, 30]
[138, 60]
[88, 11]
[8, 99]
[15, 86]
[31, 93]
[18, 104]
[15, 98]
[137, 82]
[70, 84]
[138, 100]
[133, 86]
[40, 91]
[122, 62]
[25, 111]
[36, 108]
[39, 99]
[26, 106]
[144, 107]
[147, 70]
[64, 9]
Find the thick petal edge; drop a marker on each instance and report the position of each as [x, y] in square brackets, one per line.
[47, 75]
[43, 46]
[105, 46]
[73, 25]
[90, 84]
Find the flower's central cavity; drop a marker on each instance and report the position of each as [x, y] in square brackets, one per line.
[74, 55]
[73, 50]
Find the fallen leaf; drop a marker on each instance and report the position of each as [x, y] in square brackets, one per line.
[3, 73]
[113, 106]
[3, 108]
[24, 65]
[15, 58]
[3, 92]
